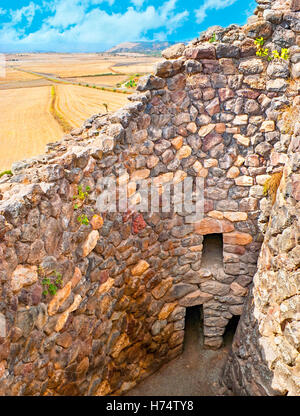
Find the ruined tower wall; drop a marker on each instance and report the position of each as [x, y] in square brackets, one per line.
[265, 353]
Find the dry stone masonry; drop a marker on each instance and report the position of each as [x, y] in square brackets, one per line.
[214, 111]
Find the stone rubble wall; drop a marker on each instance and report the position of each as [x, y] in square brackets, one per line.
[265, 357]
[209, 111]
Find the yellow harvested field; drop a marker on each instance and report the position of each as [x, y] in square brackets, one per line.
[27, 121]
[76, 103]
[26, 124]
[14, 75]
[138, 68]
[77, 65]
[66, 65]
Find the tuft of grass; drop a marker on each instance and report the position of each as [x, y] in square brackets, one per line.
[213, 38]
[271, 186]
[6, 172]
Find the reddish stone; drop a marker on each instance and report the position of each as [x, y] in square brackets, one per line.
[234, 249]
[208, 94]
[127, 216]
[156, 100]
[248, 48]
[202, 52]
[225, 93]
[208, 205]
[104, 275]
[210, 66]
[36, 295]
[213, 107]
[210, 141]
[138, 223]
[178, 96]
[248, 93]
[237, 238]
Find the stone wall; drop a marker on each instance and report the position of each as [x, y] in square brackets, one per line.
[210, 111]
[265, 356]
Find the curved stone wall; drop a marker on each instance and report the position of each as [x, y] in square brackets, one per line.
[209, 112]
[265, 357]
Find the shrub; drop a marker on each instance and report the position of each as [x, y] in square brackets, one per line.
[83, 219]
[52, 283]
[261, 51]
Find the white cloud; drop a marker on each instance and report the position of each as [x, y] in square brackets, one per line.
[27, 12]
[74, 26]
[201, 13]
[138, 3]
[2, 11]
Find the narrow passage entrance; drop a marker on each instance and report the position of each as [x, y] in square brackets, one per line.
[212, 254]
[196, 372]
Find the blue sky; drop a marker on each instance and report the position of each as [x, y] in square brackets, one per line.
[96, 25]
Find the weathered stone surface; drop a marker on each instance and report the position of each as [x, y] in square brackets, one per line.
[213, 226]
[160, 290]
[251, 66]
[215, 288]
[237, 238]
[238, 290]
[23, 276]
[180, 290]
[140, 268]
[174, 51]
[195, 298]
[235, 216]
[201, 52]
[90, 243]
[244, 181]
[225, 50]
[59, 299]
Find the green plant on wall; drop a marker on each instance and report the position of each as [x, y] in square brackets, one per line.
[52, 283]
[213, 38]
[261, 51]
[83, 219]
[81, 195]
[6, 172]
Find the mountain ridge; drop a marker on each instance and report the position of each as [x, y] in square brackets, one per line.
[141, 47]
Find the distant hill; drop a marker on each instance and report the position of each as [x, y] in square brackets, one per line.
[148, 48]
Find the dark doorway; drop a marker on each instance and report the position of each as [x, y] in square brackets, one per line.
[230, 330]
[212, 253]
[193, 333]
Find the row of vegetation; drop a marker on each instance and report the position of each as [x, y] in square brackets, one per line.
[66, 127]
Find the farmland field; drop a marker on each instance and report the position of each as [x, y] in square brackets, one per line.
[26, 124]
[83, 84]
[105, 80]
[77, 103]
